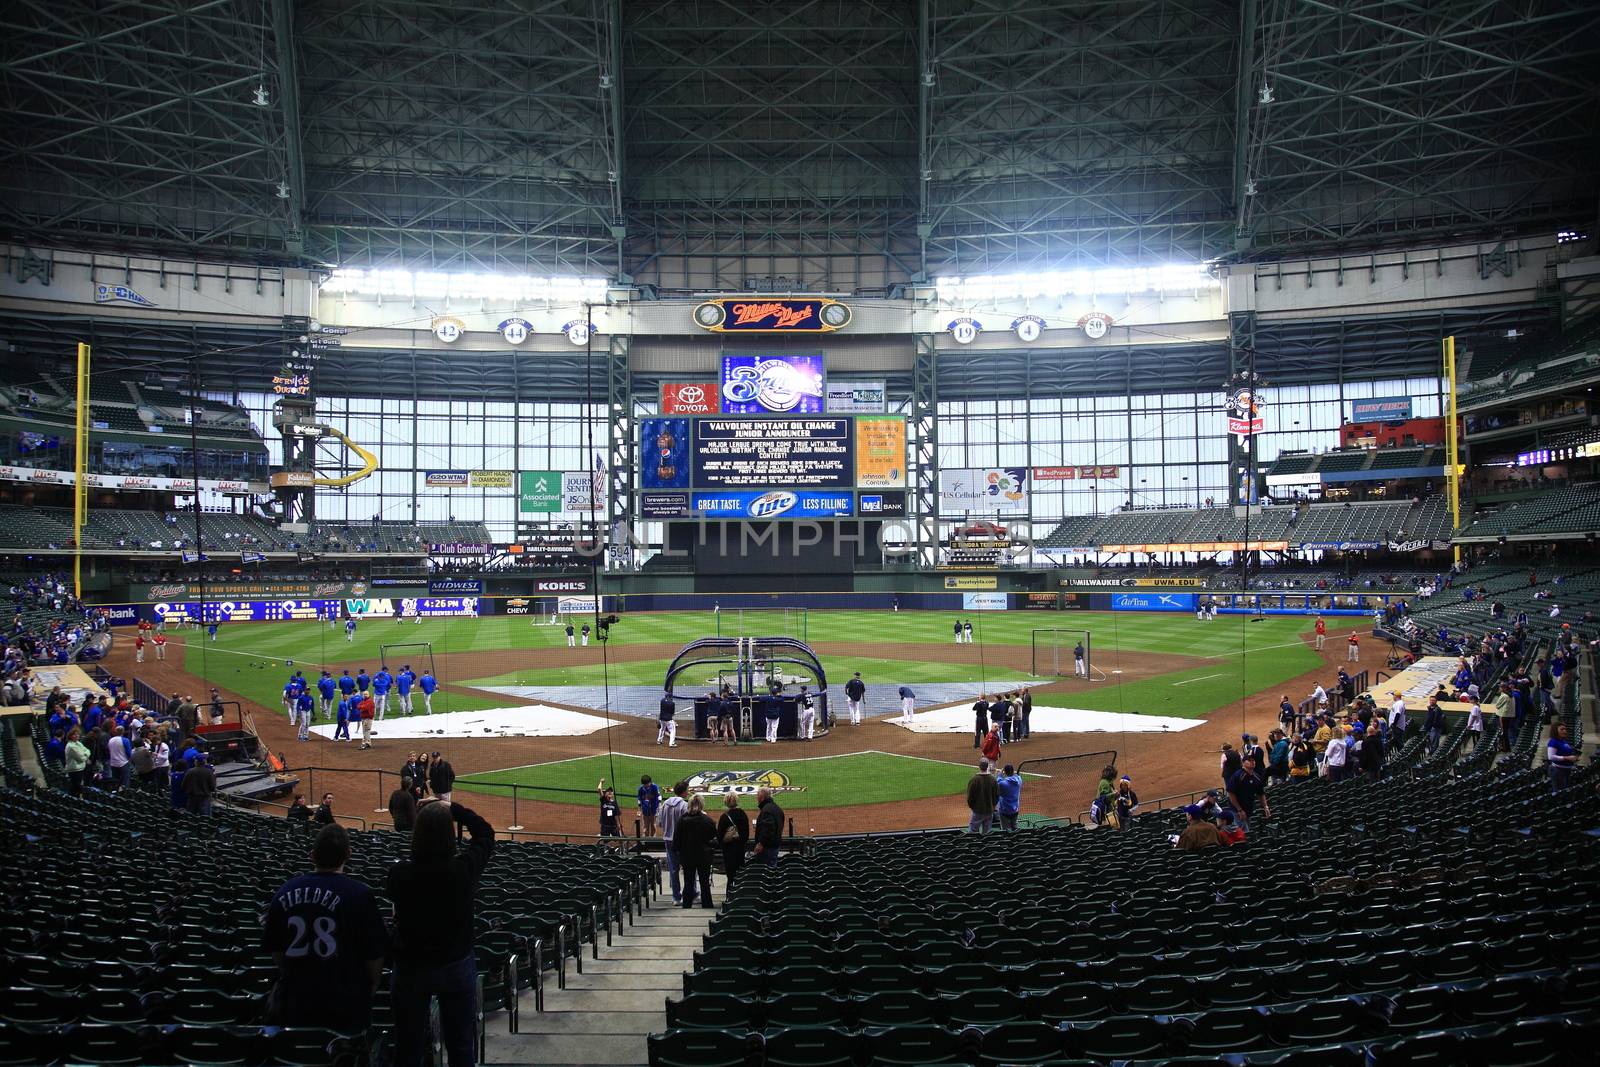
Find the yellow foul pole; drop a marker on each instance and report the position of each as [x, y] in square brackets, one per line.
[1452, 443]
[80, 469]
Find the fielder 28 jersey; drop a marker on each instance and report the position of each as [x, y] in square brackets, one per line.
[326, 926]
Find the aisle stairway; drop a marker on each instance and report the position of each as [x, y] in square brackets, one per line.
[603, 1016]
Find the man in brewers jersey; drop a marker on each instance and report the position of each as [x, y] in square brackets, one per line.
[325, 931]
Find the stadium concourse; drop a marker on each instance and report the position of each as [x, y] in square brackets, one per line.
[1163, 763]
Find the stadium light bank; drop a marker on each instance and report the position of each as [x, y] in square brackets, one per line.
[1165, 278]
[443, 285]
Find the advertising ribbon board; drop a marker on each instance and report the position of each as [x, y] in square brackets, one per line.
[774, 504]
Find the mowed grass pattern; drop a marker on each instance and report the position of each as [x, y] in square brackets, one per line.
[251, 658]
[828, 782]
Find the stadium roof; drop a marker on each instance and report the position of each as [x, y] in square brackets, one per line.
[836, 144]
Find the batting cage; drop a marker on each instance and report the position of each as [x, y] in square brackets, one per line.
[1060, 788]
[1053, 653]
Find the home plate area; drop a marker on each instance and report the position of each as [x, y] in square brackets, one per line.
[530, 720]
[957, 719]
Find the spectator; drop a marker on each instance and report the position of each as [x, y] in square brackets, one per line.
[671, 812]
[991, 744]
[325, 931]
[144, 764]
[180, 799]
[1229, 832]
[1197, 833]
[433, 892]
[119, 757]
[1245, 787]
[1127, 802]
[299, 812]
[199, 786]
[403, 809]
[693, 839]
[1372, 750]
[981, 797]
[76, 759]
[441, 777]
[1278, 756]
[649, 804]
[324, 813]
[1561, 757]
[610, 811]
[769, 828]
[1009, 801]
[733, 831]
[1433, 724]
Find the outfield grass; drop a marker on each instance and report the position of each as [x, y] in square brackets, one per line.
[254, 659]
[251, 658]
[1193, 693]
[828, 782]
[652, 671]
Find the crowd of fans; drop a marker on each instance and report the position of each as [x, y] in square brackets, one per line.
[110, 742]
[48, 625]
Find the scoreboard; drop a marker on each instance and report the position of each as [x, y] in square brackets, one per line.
[808, 466]
[760, 453]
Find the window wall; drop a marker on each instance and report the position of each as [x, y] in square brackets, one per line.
[1168, 449]
[412, 438]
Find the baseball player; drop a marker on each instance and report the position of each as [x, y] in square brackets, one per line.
[856, 690]
[572, 641]
[403, 683]
[160, 641]
[302, 715]
[382, 682]
[808, 715]
[908, 705]
[427, 683]
[668, 716]
[326, 687]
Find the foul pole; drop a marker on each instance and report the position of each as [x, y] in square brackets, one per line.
[80, 468]
[1452, 445]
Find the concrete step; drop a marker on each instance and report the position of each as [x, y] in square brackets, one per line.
[653, 982]
[567, 1050]
[590, 999]
[588, 1020]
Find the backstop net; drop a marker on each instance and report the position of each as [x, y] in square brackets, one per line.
[761, 622]
[1054, 652]
[418, 655]
[1059, 789]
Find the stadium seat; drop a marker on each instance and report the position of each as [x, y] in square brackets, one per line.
[704, 1048]
[1234, 1029]
[907, 1046]
[1118, 1038]
[713, 1011]
[896, 1007]
[982, 1007]
[797, 1010]
[1156, 995]
[1020, 1043]
[214, 1046]
[812, 1047]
